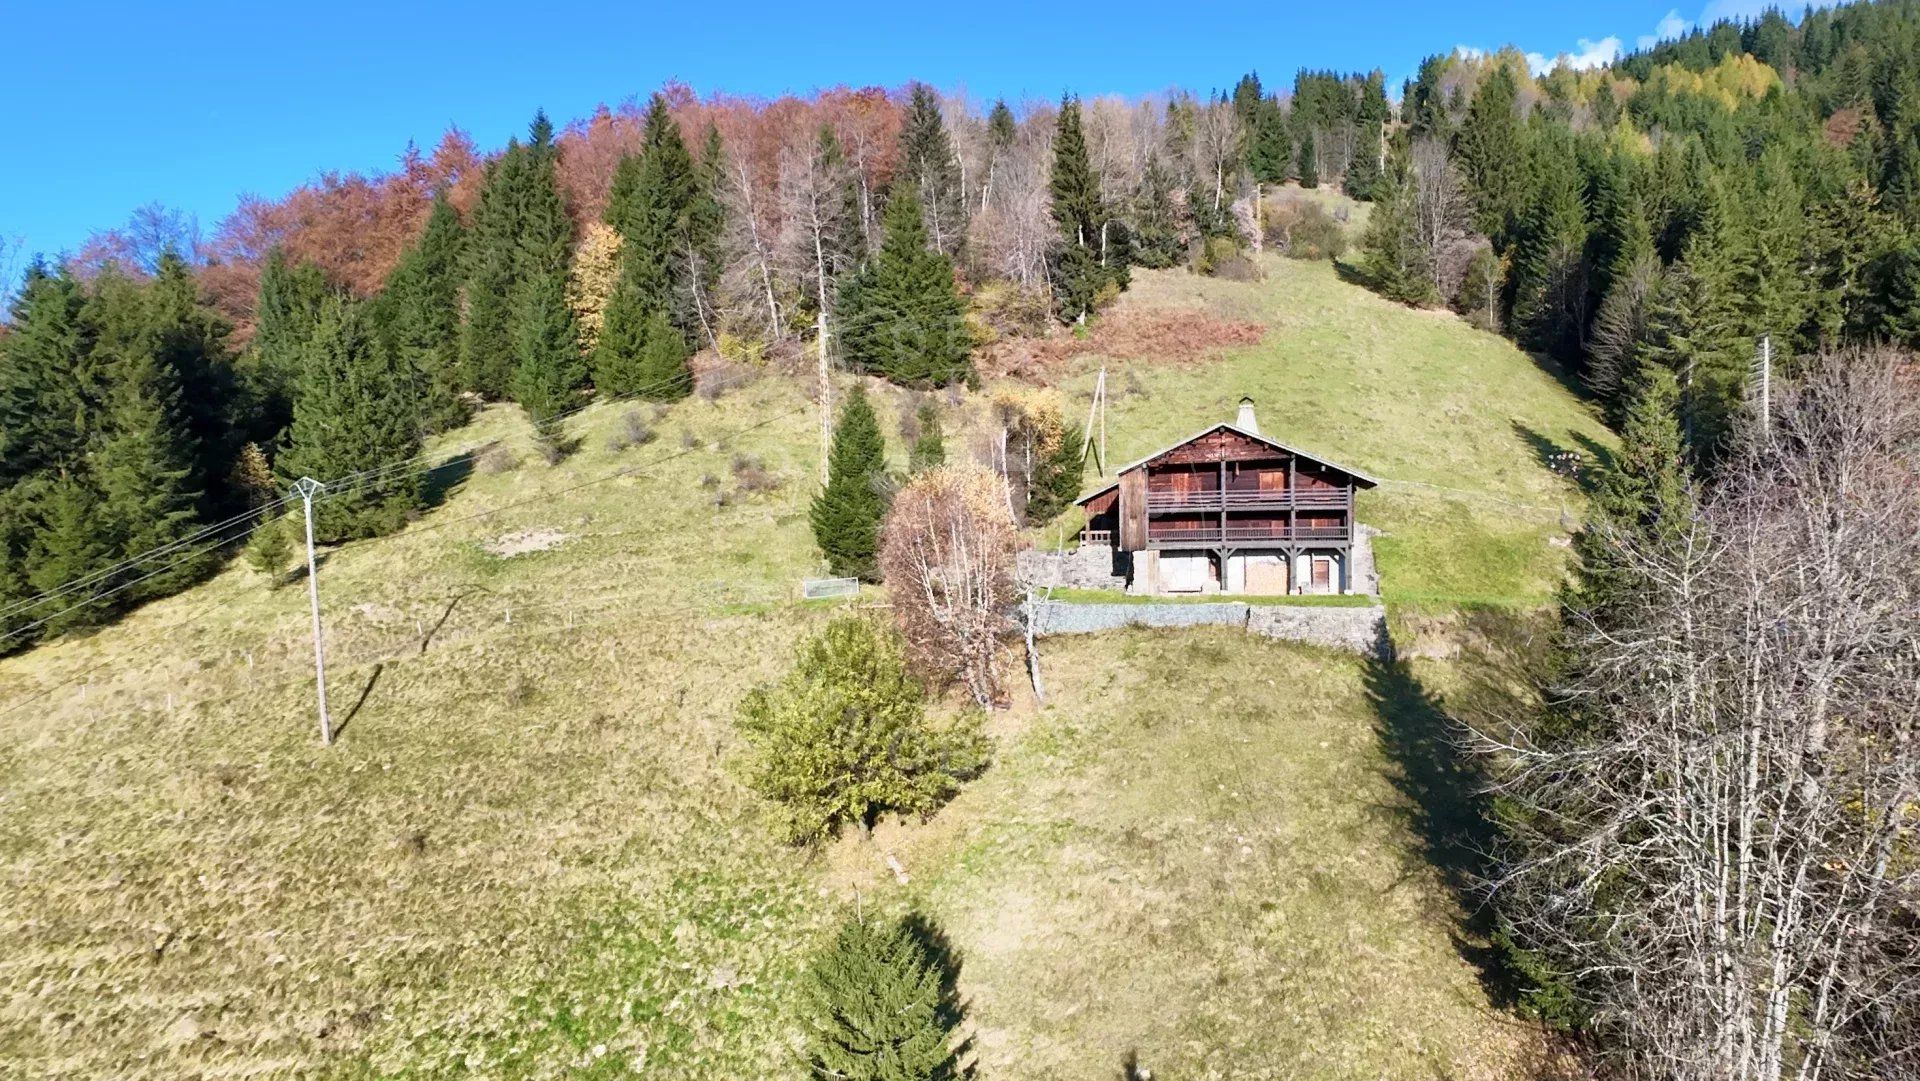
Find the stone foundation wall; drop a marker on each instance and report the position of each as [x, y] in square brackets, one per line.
[1089, 566]
[1361, 630]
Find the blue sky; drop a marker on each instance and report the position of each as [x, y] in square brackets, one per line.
[192, 104]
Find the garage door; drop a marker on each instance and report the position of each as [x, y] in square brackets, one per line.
[1182, 572]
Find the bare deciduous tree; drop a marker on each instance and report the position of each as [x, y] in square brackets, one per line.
[1721, 856]
[947, 555]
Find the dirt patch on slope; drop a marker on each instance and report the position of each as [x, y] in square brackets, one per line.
[1163, 335]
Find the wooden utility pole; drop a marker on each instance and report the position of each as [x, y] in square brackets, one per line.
[306, 488]
[1096, 409]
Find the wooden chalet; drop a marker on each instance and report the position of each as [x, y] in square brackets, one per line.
[1229, 510]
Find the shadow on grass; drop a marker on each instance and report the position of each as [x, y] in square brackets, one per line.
[366, 691]
[1576, 465]
[1445, 805]
[445, 479]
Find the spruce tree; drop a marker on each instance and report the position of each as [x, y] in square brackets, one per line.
[1550, 289]
[1083, 267]
[846, 514]
[1156, 225]
[1363, 173]
[901, 314]
[1309, 163]
[928, 163]
[191, 342]
[881, 1005]
[548, 366]
[48, 397]
[640, 351]
[655, 204]
[284, 317]
[1645, 493]
[145, 470]
[492, 264]
[1395, 260]
[420, 310]
[1056, 477]
[68, 544]
[354, 413]
[1490, 148]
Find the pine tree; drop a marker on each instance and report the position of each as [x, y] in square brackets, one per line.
[1156, 225]
[1396, 262]
[354, 413]
[846, 514]
[284, 315]
[492, 259]
[928, 164]
[901, 315]
[420, 310]
[1309, 163]
[881, 1005]
[930, 449]
[1082, 272]
[548, 366]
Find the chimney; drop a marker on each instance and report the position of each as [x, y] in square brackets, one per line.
[1245, 421]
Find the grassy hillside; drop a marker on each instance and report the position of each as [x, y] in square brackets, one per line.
[526, 856]
[1457, 422]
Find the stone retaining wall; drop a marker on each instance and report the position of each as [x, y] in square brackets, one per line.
[1089, 566]
[1362, 630]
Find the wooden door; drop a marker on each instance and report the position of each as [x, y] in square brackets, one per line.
[1267, 577]
[1322, 575]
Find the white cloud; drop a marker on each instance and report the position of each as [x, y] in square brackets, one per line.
[1669, 27]
[1587, 54]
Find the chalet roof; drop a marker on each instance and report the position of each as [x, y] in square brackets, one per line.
[1366, 480]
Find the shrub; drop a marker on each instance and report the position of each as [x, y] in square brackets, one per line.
[1006, 309]
[1223, 257]
[882, 1004]
[845, 736]
[497, 459]
[632, 431]
[1303, 229]
[753, 475]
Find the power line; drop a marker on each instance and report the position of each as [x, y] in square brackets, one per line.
[336, 488]
[632, 470]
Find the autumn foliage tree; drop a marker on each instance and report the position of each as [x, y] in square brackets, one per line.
[947, 555]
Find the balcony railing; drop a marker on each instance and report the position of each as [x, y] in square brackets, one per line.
[1212, 533]
[1250, 499]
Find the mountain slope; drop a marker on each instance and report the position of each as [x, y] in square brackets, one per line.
[525, 856]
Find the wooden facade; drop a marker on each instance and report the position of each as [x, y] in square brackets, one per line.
[1230, 510]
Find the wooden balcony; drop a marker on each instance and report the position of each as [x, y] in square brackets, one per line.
[1248, 534]
[1170, 502]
